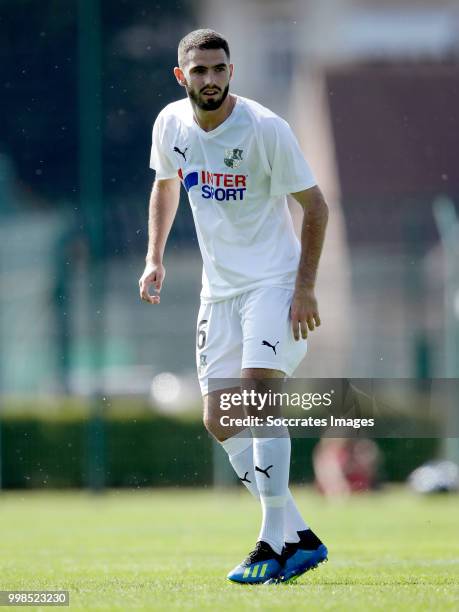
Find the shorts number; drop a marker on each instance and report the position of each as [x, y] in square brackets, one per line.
[202, 337]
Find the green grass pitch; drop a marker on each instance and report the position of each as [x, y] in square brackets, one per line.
[171, 550]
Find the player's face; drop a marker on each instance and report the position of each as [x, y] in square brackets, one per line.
[206, 77]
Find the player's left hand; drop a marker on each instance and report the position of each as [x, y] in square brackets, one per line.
[304, 313]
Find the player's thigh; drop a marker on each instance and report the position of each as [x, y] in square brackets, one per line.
[218, 345]
[221, 416]
[260, 373]
[268, 341]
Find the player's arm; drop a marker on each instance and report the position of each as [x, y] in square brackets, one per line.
[164, 201]
[304, 309]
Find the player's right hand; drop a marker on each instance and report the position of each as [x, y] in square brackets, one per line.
[153, 275]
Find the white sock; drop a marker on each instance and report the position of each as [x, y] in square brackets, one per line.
[271, 458]
[240, 454]
[293, 521]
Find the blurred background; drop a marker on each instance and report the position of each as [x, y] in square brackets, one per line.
[99, 389]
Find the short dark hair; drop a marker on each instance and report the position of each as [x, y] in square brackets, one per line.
[202, 39]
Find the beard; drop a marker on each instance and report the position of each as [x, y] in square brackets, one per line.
[207, 105]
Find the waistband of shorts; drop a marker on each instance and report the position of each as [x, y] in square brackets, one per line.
[210, 300]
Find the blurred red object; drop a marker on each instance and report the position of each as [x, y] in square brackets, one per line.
[344, 465]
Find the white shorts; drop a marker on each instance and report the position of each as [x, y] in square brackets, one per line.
[251, 330]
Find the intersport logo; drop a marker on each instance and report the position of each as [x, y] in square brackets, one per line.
[216, 185]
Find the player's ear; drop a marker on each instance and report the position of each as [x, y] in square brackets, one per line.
[231, 69]
[178, 73]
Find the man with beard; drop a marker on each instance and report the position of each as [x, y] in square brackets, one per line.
[237, 161]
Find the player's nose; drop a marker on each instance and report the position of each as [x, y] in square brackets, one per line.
[209, 81]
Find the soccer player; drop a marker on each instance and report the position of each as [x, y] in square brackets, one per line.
[237, 161]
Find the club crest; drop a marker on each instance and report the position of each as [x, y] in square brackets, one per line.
[233, 158]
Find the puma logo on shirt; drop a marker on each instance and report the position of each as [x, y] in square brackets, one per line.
[182, 153]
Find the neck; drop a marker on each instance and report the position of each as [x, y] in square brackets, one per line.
[209, 120]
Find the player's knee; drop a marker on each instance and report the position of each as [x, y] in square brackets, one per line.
[208, 421]
[212, 424]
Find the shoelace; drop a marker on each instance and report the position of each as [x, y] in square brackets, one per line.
[254, 556]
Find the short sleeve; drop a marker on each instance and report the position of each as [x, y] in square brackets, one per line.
[160, 159]
[290, 172]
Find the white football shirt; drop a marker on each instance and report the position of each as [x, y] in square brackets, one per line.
[237, 177]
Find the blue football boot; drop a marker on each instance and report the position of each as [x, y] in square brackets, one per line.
[300, 557]
[261, 565]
